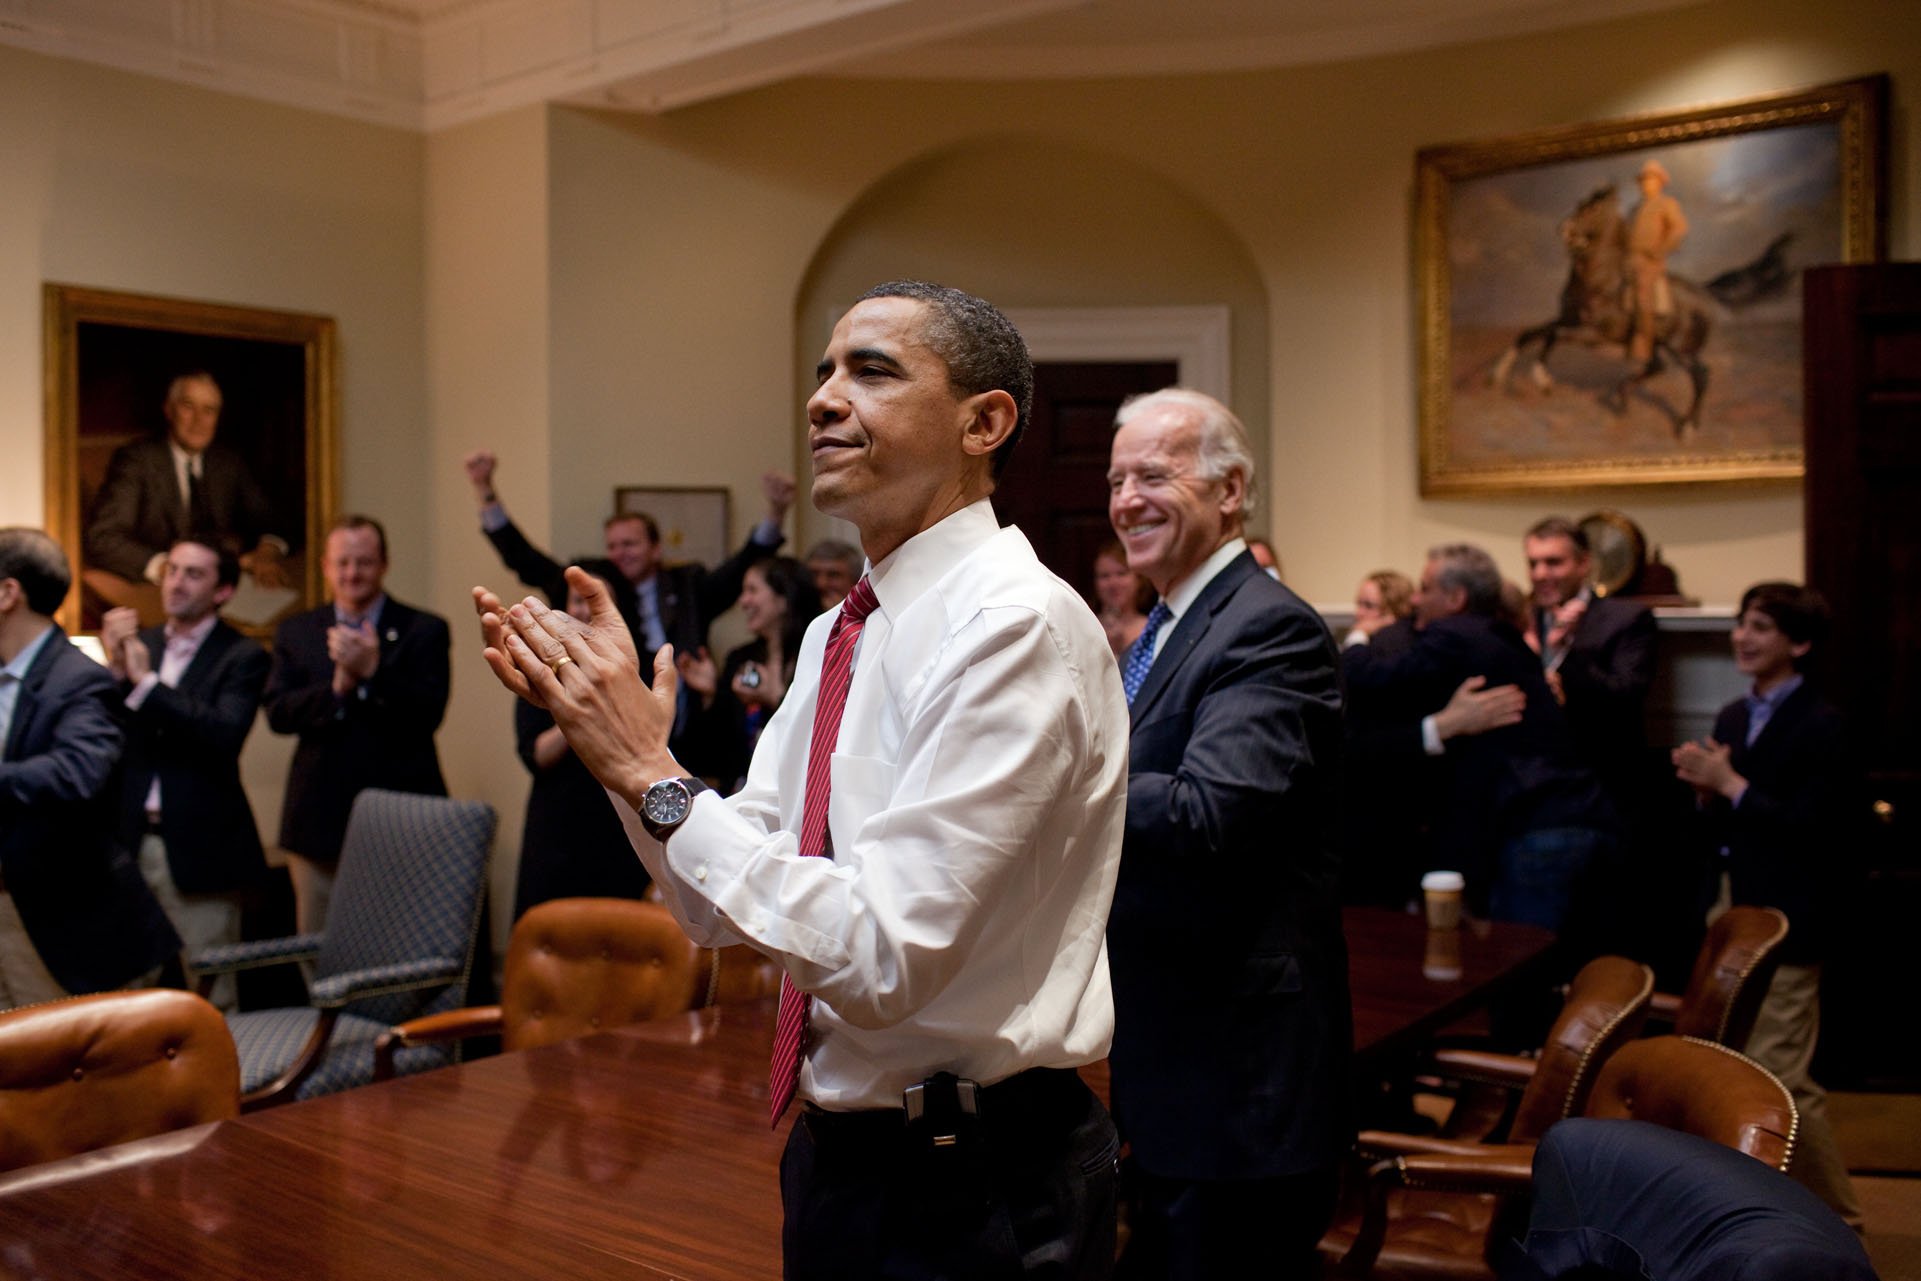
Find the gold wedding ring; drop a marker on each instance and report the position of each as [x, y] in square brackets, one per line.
[559, 663]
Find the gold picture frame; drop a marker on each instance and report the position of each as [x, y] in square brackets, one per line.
[1525, 257]
[111, 358]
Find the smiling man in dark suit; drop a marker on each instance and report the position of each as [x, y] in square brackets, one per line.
[1232, 1030]
[160, 490]
[363, 681]
[74, 916]
[189, 691]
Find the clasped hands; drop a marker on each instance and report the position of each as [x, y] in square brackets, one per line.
[588, 676]
[355, 652]
[1708, 767]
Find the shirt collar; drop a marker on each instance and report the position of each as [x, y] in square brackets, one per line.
[917, 564]
[1778, 695]
[195, 635]
[372, 615]
[24, 659]
[1190, 588]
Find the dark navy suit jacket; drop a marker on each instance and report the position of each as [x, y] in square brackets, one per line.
[191, 737]
[1606, 675]
[381, 736]
[1788, 840]
[1232, 1026]
[90, 916]
[1497, 785]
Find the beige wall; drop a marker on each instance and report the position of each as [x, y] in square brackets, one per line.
[686, 239]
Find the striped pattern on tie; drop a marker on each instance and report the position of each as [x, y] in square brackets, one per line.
[836, 673]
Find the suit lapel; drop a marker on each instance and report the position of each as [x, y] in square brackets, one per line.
[1774, 735]
[27, 702]
[1189, 630]
[206, 658]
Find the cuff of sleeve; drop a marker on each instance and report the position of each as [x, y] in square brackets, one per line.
[493, 518]
[1354, 637]
[1431, 738]
[144, 686]
[767, 533]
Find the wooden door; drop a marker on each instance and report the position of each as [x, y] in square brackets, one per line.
[1055, 487]
[1863, 358]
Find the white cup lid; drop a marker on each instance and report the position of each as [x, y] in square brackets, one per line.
[1443, 881]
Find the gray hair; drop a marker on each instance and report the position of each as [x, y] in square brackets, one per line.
[1224, 444]
[833, 549]
[1467, 567]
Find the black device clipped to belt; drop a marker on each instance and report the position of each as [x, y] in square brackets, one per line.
[946, 1140]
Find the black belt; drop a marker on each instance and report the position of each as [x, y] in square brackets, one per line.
[1038, 1099]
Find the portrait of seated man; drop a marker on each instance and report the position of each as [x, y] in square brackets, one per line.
[182, 484]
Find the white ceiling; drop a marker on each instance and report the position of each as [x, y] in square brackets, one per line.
[427, 64]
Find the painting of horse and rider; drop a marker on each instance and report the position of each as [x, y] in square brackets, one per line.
[1621, 303]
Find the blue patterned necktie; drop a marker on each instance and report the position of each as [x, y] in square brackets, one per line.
[1141, 656]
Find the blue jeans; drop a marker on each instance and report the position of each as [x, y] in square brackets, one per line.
[1535, 880]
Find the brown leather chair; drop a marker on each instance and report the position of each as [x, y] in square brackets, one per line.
[1731, 976]
[92, 1071]
[575, 966]
[1685, 1084]
[738, 974]
[1445, 1235]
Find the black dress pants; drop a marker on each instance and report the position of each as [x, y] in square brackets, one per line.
[1194, 1230]
[864, 1199]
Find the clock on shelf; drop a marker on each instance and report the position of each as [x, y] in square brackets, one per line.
[1621, 563]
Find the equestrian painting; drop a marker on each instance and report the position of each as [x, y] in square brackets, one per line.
[1622, 304]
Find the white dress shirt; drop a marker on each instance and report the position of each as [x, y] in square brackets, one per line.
[978, 804]
[1189, 589]
[175, 658]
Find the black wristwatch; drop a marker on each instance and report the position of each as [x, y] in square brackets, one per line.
[666, 805]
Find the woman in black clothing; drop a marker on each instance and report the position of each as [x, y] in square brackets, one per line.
[573, 844]
[777, 602]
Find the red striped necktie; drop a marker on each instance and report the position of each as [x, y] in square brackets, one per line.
[836, 673]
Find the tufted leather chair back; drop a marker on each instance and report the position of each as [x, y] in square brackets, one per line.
[1606, 1006]
[91, 1071]
[1703, 1089]
[579, 965]
[1736, 963]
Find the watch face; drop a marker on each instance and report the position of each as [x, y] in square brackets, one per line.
[667, 801]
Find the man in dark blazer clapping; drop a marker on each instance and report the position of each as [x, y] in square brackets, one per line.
[363, 681]
[1232, 1029]
[189, 692]
[74, 916]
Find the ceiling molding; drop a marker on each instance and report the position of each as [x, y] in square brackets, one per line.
[430, 64]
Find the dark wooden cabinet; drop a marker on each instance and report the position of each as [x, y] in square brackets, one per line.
[1863, 379]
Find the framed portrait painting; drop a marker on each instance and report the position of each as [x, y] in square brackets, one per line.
[692, 521]
[1620, 302]
[166, 417]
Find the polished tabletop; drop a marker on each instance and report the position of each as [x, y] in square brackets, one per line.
[643, 1152]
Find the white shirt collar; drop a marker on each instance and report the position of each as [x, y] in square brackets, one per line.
[1183, 596]
[920, 562]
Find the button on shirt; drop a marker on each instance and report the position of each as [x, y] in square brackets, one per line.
[978, 805]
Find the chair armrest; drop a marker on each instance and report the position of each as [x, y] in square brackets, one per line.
[1664, 1007]
[230, 957]
[432, 1029]
[1497, 1168]
[1379, 1144]
[405, 976]
[1510, 1071]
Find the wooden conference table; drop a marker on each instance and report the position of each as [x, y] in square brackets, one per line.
[643, 1152]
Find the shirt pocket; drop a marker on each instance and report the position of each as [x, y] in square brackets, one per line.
[863, 787]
